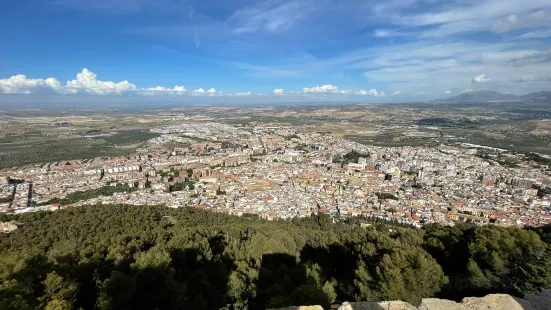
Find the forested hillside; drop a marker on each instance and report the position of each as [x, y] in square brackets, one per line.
[126, 257]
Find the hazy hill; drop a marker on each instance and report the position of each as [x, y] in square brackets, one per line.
[541, 96]
[482, 96]
[494, 96]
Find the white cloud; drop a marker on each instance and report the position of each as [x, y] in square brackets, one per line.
[371, 92]
[20, 84]
[532, 78]
[531, 59]
[202, 92]
[243, 94]
[270, 16]
[449, 41]
[480, 79]
[396, 93]
[523, 20]
[162, 89]
[278, 91]
[526, 78]
[477, 12]
[426, 67]
[442, 19]
[325, 89]
[447, 92]
[538, 34]
[383, 33]
[87, 81]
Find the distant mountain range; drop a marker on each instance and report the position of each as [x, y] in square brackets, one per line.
[494, 96]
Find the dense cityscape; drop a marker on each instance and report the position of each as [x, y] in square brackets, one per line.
[283, 172]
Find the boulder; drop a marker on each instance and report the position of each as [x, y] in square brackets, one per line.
[301, 308]
[385, 305]
[541, 301]
[435, 303]
[546, 293]
[497, 302]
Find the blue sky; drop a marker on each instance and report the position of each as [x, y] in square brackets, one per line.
[396, 50]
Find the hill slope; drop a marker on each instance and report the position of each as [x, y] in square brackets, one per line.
[127, 257]
[542, 96]
[482, 96]
[479, 96]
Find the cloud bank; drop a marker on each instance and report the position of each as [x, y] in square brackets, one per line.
[373, 92]
[87, 82]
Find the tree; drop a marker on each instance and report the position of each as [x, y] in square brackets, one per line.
[515, 260]
[59, 294]
[116, 292]
[363, 282]
[127, 257]
[408, 276]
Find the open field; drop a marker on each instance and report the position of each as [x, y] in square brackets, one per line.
[43, 150]
[29, 137]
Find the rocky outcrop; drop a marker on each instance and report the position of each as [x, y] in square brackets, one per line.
[7, 227]
[302, 308]
[386, 305]
[494, 301]
[541, 301]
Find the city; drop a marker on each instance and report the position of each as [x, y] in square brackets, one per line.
[283, 172]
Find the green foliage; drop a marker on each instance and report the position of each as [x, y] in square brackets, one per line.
[543, 231]
[6, 199]
[58, 293]
[386, 196]
[489, 259]
[92, 193]
[509, 162]
[514, 259]
[180, 186]
[128, 257]
[538, 159]
[350, 157]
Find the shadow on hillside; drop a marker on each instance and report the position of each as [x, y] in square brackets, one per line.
[337, 262]
[181, 279]
[282, 282]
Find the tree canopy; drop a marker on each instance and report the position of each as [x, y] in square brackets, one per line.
[154, 257]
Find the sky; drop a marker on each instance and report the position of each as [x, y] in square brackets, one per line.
[372, 51]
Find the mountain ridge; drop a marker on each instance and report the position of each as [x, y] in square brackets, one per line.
[494, 96]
